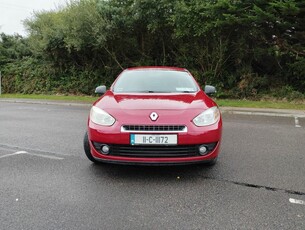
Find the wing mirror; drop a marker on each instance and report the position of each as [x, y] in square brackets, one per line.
[209, 90]
[100, 90]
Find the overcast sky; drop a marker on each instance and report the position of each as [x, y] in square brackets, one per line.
[12, 12]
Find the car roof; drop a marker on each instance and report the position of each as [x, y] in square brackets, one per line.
[149, 68]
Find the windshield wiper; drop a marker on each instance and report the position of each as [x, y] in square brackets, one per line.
[186, 91]
[153, 91]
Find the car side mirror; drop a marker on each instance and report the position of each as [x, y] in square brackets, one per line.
[100, 90]
[209, 90]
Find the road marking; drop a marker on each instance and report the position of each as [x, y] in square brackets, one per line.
[295, 201]
[32, 154]
[296, 121]
[46, 156]
[13, 154]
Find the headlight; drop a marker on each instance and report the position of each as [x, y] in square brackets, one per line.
[208, 117]
[100, 117]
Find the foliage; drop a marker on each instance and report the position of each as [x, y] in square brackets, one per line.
[12, 47]
[245, 48]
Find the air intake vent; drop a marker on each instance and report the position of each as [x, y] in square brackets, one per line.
[154, 128]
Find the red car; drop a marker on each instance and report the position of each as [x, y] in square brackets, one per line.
[155, 116]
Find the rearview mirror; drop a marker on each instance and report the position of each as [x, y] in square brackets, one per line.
[100, 90]
[209, 90]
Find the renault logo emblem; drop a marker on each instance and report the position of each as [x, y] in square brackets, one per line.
[153, 116]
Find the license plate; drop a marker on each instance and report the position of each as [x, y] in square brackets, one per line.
[153, 139]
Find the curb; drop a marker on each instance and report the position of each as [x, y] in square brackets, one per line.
[46, 102]
[264, 112]
[229, 110]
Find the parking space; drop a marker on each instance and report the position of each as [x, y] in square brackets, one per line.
[47, 183]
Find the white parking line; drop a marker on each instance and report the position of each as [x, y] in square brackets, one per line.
[32, 154]
[295, 201]
[297, 123]
[13, 154]
[46, 156]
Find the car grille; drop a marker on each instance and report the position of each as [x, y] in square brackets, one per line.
[154, 128]
[154, 151]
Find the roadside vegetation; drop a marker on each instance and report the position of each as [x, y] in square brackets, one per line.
[247, 49]
[243, 103]
[68, 98]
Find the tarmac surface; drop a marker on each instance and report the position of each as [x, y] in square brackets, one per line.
[46, 182]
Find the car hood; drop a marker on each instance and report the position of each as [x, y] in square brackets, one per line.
[170, 108]
[186, 101]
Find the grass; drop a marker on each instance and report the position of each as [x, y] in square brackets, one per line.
[73, 98]
[274, 104]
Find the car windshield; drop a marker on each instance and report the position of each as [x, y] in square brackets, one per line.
[155, 81]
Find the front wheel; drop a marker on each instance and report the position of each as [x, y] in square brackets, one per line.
[87, 148]
[211, 162]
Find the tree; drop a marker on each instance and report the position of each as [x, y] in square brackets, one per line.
[243, 47]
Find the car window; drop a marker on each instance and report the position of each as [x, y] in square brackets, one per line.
[155, 81]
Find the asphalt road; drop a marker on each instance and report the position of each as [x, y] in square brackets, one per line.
[46, 182]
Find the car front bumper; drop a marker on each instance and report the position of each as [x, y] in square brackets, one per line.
[193, 138]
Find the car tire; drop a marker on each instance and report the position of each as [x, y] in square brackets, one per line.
[87, 148]
[212, 162]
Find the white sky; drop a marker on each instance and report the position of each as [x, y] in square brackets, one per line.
[12, 12]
